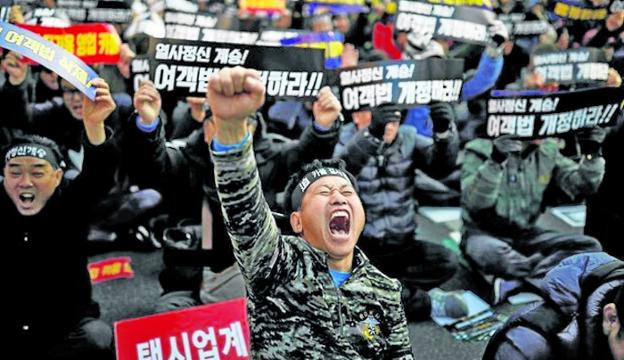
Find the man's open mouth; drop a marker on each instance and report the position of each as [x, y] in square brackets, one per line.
[340, 223]
[27, 197]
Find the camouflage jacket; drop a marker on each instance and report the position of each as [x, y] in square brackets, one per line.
[296, 311]
[501, 199]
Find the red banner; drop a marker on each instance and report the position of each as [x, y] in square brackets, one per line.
[110, 269]
[93, 43]
[217, 331]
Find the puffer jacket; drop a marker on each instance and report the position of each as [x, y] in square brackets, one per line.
[580, 334]
[385, 175]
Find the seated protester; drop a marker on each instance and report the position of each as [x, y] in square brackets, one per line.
[504, 184]
[383, 156]
[580, 317]
[313, 295]
[44, 221]
[184, 174]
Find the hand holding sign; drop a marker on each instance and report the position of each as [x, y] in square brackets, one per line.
[326, 108]
[147, 102]
[590, 140]
[94, 113]
[233, 95]
[15, 67]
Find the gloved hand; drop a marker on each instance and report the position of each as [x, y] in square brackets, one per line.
[590, 140]
[442, 116]
[498, 34]
[504, 146]
[381, 116]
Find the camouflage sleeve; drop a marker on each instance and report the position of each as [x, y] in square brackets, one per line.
[480, 178]
[579, 179]
[248, 220]
[399, 341]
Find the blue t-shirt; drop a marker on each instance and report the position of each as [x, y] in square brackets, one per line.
[339, 277]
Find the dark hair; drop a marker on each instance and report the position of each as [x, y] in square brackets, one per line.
[307, 168]
[35, 139]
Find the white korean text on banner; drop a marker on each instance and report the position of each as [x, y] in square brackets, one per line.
[460, 23]
[519, 26]
[88, 11]
[406, 83]
[139, 70]
[216, 331]
[183, 68]
[583, 65]
[539, 116]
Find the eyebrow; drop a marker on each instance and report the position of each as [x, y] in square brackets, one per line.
[38, 166]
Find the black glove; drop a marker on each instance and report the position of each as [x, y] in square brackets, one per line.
[442, 116]
[503, 146]
[380, 117]
[590, 140]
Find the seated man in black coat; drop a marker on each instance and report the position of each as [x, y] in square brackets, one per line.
[51, 314]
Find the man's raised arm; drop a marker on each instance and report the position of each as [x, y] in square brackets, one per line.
[233, 95]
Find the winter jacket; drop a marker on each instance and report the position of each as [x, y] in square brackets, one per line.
[508, 199]
[296, 311]
[578, 316]
[44, 263]
[385, 175]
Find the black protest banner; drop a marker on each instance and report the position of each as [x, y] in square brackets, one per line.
[184, 67]
[188, 26]
[518, 26]
[460, 23]
[583, 65]
[406, 83]
[139, 70]
[88, 11]
[539, 116]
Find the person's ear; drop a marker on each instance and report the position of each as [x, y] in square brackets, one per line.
[58, 176]
[609, 318]
[295, 222]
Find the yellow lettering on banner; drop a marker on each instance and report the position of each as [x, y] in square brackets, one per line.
[108, 44]
[111, 269]
[127, 269]
[94, 273]
[561, 9]
[66, 41]
[601, 14]
[479, 3]
[14, 37]
[577, 13]
[86, 44]
[74, 70]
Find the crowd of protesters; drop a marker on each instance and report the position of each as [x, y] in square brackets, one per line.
[309, 210]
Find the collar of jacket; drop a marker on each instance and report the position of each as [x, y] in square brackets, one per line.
[359, 258]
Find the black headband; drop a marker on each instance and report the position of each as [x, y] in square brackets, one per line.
[35, 150]
[309, 178]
